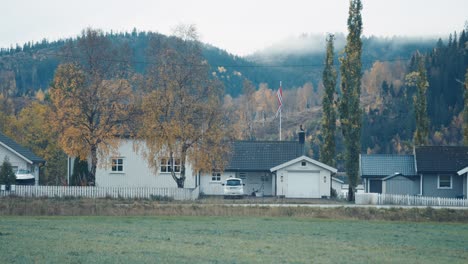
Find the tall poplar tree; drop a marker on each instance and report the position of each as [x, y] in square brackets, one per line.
[349, 109]
[327, 151]
[418, 79]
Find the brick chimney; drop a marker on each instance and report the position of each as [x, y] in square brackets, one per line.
[301, 135]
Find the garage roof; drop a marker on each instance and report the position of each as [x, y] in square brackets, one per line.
[304, 158]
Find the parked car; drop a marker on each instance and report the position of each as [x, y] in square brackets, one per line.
[233, 187]
[23, 174]
[24, 177]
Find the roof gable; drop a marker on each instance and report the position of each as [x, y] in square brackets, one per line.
[19, 150]
[441, 159]
[383, 165]
[262, 155]
[304, 158]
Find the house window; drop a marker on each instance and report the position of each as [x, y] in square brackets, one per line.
[167, 165]
[445, 181]
[303, 164]
[265, 178]
[117, 165]
[243, 175]
[216, 176]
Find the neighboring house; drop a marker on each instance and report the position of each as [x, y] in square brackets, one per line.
[340, 183]
[443, 170]
[251, 161]
[21, 159]
[434, 171]
[337, 185]
[271, 168]
[391, 174]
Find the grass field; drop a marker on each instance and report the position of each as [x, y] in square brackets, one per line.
[195, 239]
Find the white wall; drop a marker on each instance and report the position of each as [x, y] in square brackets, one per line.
[19, 162]
[136, 172]
[337, 186]
[252, 182]
[324, 178]
[209, 187]
[14, 159]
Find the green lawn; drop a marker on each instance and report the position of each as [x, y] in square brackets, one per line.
[60, 239]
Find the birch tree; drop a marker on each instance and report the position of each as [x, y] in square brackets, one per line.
[91, 100]
[182, 120]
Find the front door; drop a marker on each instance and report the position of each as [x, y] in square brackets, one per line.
[375, 186]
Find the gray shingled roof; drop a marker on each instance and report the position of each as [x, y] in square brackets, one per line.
[262, 155]
[28, 154]
[383, 165]
[441, 159]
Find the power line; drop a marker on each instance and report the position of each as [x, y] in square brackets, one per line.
[132, 62]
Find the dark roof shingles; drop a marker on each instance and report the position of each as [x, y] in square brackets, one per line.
[441, 159]
[383, 165]
[28, 154]
[262, 155]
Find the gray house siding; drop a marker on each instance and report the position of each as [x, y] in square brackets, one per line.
[430, 186]
[402, 185]
[465, 178]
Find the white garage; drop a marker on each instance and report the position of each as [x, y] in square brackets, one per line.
[303, 177]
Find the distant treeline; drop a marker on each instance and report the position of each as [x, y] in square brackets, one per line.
[31, 66]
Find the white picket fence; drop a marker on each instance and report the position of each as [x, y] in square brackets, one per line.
[103, 192]
[395, 199]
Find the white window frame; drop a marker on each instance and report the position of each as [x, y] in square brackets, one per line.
[216, 176]
[166, 163]
[265, 178]
[243, 175]
[444, 187]
[115, 165]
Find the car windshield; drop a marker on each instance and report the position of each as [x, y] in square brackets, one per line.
[21, 171]
[233, 183]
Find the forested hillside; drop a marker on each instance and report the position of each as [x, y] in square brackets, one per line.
[249, 85]
[30, 67]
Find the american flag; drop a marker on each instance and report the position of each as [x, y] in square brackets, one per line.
[279, 96]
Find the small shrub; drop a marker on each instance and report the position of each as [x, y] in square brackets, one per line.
[7, 175]
[161, 198]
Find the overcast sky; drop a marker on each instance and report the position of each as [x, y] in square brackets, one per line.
[238, 26]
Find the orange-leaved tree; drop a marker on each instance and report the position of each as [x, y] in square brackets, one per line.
[89, 117]
[91, 100]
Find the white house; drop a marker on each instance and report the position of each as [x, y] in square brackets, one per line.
[21, 159]
[128, 168]
[259, 163]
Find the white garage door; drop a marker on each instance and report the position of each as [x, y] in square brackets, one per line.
[303, 185]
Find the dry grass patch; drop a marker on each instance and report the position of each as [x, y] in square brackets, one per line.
[115, 207]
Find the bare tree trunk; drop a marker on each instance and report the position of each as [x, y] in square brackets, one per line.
[351, 193]
[92, 172]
